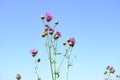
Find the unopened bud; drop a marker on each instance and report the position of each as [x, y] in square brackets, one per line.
[117, 76]
[18, 76]
[51, 32]
[64, 43]
[46, 33]
[43, 35]
[42, 16]
[105, 72]
[56, 37]
[38, 60]
[56, 22]
[71, 44]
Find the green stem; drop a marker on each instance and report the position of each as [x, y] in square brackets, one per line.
[67, 69]
[50, 59]
[63, 59]
[55, 50]
[36, 68]
[55, 67]
[51, 68]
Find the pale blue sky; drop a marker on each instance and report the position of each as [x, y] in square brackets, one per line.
[95, 24]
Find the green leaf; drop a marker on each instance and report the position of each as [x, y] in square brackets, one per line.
[53, 61]
[58, 53]
[39, 78]
[69, 65]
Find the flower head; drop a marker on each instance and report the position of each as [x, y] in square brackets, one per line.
[48, 17]
[47, 27]
[51, 30]
[34, 52]
[71, 41]
[57, 35]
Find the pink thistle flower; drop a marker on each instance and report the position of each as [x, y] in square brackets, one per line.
[57, 35]
[51, 30]
[34, 52]
[48, 17]
[71, 41]
[47, 27]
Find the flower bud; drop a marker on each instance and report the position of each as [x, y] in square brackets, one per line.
[56, 22]
[68, 40]
[117, 76]
[64, 43]
[18, 76]
[38, 60]
[56, 36]
[46, 32]
[105, 72]
[43, 35]
[42, 16]
[108, 67]
[111, 68]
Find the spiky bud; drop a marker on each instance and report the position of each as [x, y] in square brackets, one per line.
[18, 76]
[42, 16]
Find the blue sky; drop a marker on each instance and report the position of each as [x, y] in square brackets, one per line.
[95, 24]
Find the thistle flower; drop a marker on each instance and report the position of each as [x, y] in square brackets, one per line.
[48, 17]
[112, 71]
[47, 27]
[71, 41]
[18, 76]
[51, 31]
[34, 52]
[111, 68]
[57, 35]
